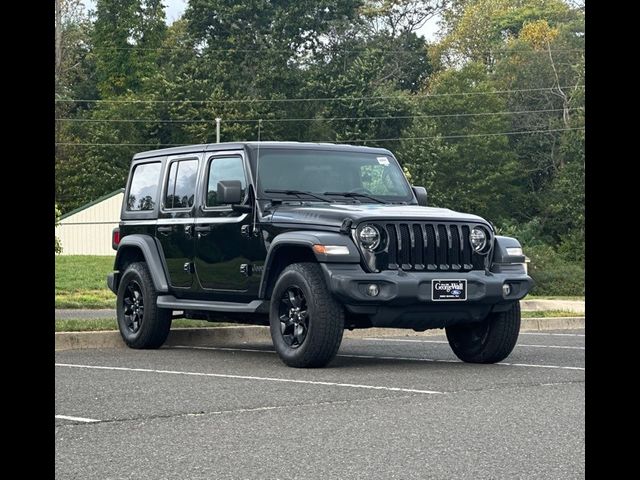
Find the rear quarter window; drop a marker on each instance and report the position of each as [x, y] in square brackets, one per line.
[144, 187]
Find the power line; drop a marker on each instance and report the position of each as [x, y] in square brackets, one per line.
[318, 119]
[339, 50]
[521, 132]
[469, 135]
[321, 99]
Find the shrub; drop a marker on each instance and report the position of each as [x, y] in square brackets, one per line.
[58, 246]
[553, 273]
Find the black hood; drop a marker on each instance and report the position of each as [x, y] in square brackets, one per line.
[332, 215]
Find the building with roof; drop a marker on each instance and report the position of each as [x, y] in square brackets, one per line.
[87, 229]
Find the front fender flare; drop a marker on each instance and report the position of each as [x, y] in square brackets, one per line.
[307, 239]
[500, 254]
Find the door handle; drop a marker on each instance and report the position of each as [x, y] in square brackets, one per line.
[202, 230]
[165, 229]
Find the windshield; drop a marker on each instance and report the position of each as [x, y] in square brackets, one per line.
[323, 171]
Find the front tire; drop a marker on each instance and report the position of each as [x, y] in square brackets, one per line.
[306, 322]
[141, 323]
[489, 341]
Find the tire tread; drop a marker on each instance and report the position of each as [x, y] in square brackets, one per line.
[502, 336]
[328, 327]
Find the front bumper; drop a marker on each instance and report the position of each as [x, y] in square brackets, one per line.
[405, 299]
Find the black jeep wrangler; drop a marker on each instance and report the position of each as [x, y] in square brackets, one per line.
[309, 239]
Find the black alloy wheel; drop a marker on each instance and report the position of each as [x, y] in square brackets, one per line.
[294, 316]
[133, 306]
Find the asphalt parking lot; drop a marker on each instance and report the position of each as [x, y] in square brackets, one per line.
[386, 407]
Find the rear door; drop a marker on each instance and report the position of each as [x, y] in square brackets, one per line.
[174, 229]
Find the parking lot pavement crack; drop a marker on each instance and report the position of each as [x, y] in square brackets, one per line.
[512, 386]
[236, 411]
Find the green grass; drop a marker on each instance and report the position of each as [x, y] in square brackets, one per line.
[81, 281]
[551, 313]
[86, 299]
[95, 324]
[82, 272]
[559, 297]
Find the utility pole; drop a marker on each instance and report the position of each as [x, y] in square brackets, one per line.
[58, 60]
[218, 129]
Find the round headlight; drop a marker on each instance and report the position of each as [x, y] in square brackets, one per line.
[478, 239]
[369, 237]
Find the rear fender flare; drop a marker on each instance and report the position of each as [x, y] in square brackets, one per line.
[145, 244]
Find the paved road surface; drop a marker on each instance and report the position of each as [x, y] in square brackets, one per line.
[384, 408]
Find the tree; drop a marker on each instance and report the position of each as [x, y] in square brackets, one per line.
[399, 17]
[547, 55]
[127, 37]
[125, 44]
[460, 151]
[256, 49]
[73, 79]
[479, 30]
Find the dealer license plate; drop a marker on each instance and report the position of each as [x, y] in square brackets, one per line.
[448, 290]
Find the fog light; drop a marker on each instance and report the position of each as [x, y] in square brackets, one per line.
[506, 290]
[373, 290]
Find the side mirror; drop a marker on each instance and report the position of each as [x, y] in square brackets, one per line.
[421, 195]
[229, 192]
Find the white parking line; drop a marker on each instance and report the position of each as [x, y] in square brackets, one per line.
[77, 419]
[444, 341]
[409, 340]
[248, 377]
[378, 357]
[539, 366]
[567, 347]
[554, 334]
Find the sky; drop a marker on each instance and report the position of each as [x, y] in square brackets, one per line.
[175, 8]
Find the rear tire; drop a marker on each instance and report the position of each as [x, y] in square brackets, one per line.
[141, 323]
[489, 341]
[306, 322]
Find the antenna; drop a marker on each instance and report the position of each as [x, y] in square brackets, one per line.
[255, 210]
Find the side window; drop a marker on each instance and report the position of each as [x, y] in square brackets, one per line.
[144, 185]
[224, 168]
[181, 184]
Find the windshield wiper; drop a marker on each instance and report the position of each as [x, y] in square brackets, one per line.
[298, 193]
[356, 194]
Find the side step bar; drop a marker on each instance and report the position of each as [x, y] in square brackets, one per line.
[169, 301]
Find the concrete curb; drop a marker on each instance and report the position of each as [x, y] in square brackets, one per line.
[250, 334]
[538, 305]
[527, 305]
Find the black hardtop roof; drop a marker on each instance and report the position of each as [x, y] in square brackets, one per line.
[212, 147]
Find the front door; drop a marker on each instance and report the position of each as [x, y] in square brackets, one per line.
[224, 249]
[174, 230]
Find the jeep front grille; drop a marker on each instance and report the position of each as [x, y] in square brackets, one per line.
[437, 246]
